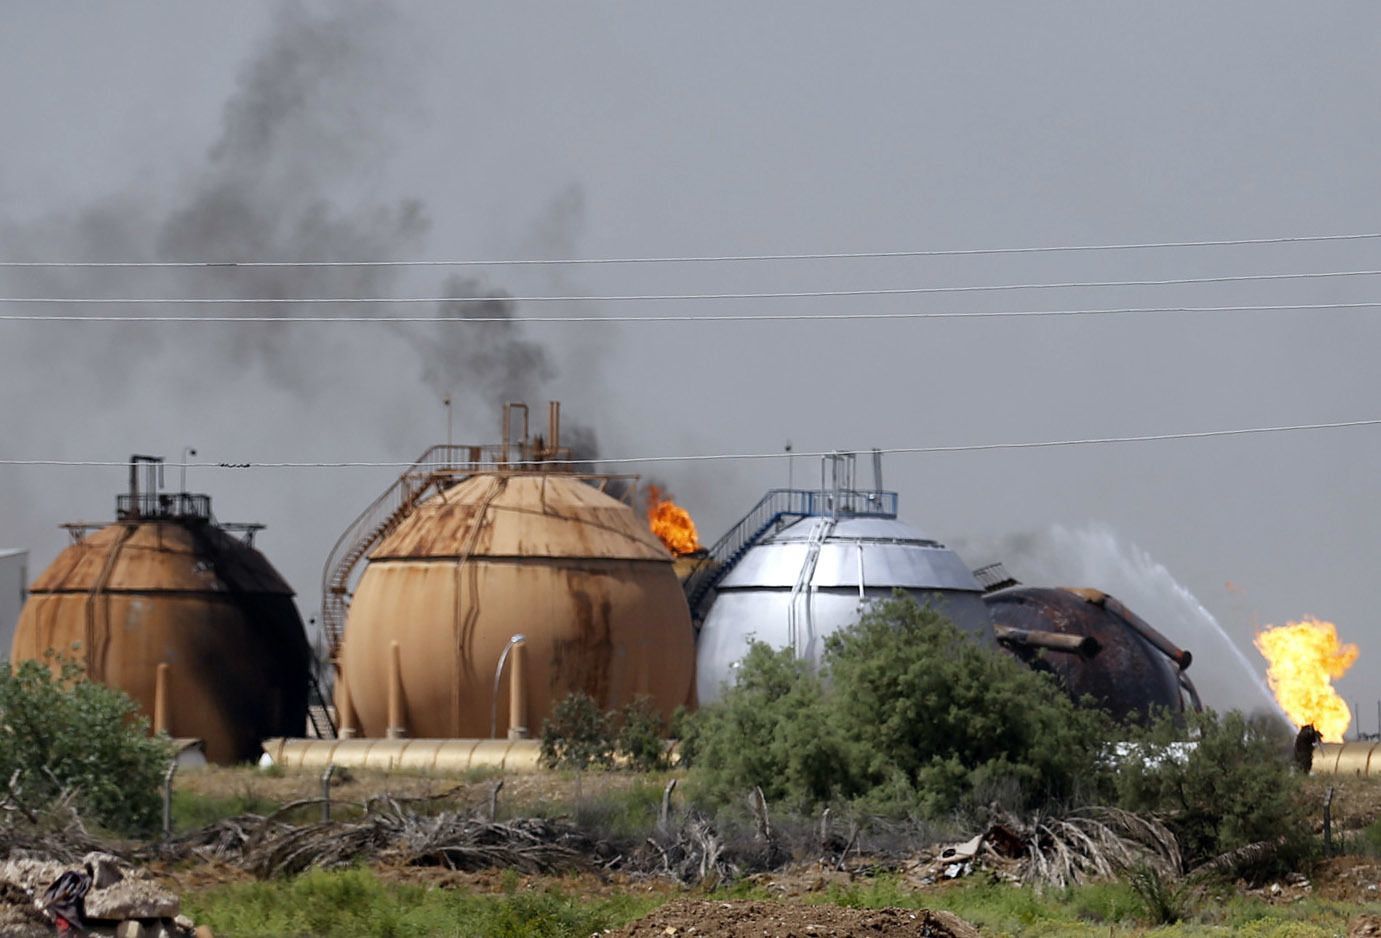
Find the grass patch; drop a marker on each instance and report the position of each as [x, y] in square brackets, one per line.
[356, 904]
[192, 810]
[624, 813]
[1367, 841]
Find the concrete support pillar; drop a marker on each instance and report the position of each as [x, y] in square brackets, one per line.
[517, 692]
[345, 710]
[397, 727]
[161, 701]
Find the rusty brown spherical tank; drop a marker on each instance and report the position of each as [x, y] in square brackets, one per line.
[1128, 668]
[543, 555]
[179, 590]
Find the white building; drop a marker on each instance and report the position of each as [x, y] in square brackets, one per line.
[14, 584]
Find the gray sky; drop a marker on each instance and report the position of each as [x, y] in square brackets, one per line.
[145, 130]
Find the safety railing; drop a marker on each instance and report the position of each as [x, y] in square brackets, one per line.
[770, 514]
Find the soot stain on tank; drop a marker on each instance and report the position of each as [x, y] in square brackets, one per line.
[582, 662]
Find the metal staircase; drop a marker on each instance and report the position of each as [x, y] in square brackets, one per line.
[772, 513]
[837, 497]
[437, 468]
[318, 711]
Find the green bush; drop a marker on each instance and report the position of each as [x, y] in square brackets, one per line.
[66, 734]
[774, 730]
[577, 735]
[908, 714]
[1233, 787]
[640, 738]
[955, 719]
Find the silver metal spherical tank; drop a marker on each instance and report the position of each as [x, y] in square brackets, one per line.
[815, 577]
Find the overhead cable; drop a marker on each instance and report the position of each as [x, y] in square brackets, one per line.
[710, 258]
[654, 297]
[729, 317]
[720, 457]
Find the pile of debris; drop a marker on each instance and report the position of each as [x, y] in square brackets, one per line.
[1097, 843]
[269, 846]
[123, 900]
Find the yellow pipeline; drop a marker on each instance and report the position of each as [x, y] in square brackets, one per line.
[442, 756]
[418, 755]
[1361, 759]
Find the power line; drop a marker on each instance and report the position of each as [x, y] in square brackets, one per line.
[732, 317]
[654, 297]
[696, 259]
[720, 457]
[650, 297]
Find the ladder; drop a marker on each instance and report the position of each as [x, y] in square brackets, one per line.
[802, 592]
[436, 468]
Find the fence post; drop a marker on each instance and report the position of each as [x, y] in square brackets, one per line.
[326, 791]
[1328, 822]
[168, 799]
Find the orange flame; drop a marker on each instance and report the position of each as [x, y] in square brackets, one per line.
[672, 523]
[1304, 658]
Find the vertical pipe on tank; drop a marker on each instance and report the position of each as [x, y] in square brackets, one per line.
[503, 450]
[134, 486]
[396, 728]
[517, 693]
[161, 723]
[513, 642]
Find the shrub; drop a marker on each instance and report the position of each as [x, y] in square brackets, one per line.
[1162, 902]
[953, 718]
[639, 741]
[1234, 787]
[774, 730]
[577, 735]
[908, 714]
[64, 733]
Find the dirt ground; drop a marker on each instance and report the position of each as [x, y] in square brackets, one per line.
[792, 920]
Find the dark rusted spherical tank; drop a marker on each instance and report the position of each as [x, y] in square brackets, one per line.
[181, 591]
[1131, 672]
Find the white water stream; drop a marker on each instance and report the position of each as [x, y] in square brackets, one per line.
[1094, 556]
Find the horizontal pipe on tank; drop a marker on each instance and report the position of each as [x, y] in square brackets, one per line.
[1182, 657]
[1360, 758]
[1083, 645]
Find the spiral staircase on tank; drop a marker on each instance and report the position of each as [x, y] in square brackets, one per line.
[438, 468]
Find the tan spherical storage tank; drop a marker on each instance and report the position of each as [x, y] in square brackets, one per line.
[544, 555]
[167, 585]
